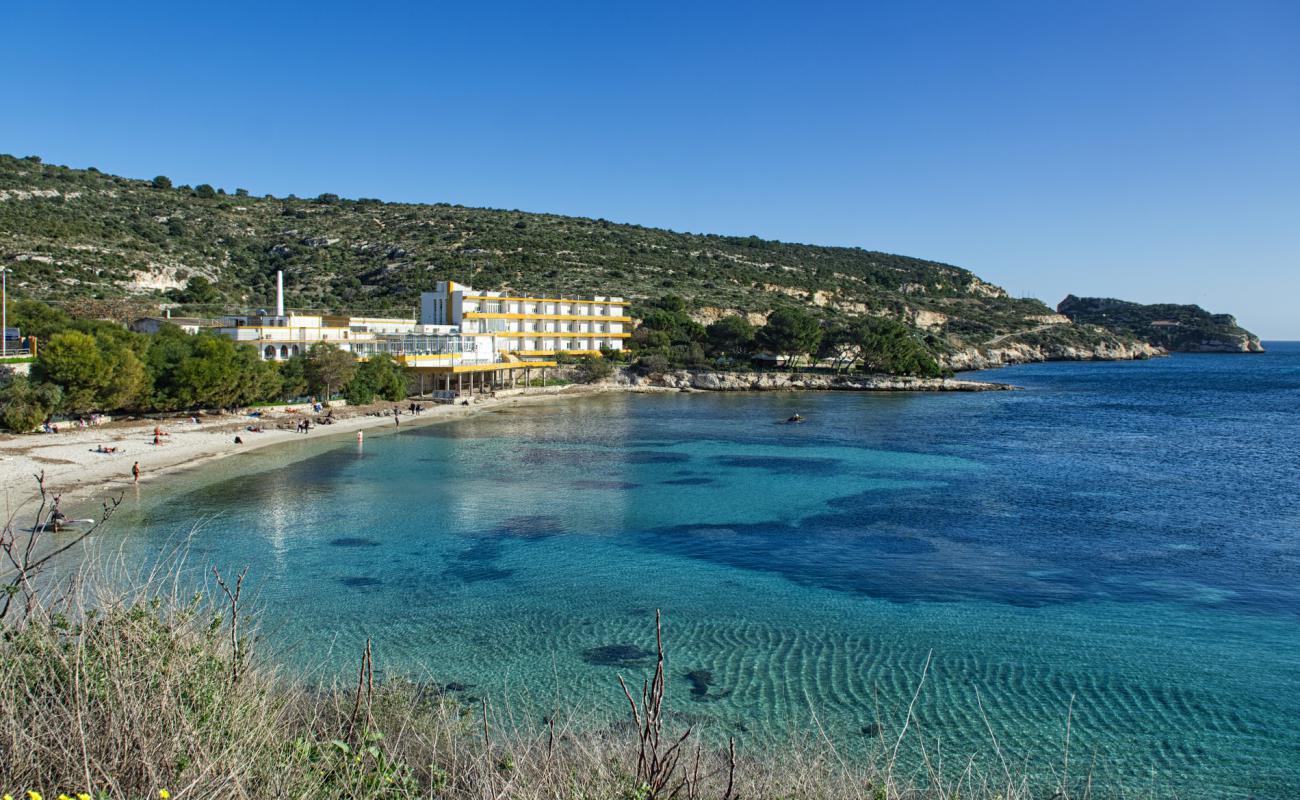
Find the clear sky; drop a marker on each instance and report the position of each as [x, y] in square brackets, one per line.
[1144, 150]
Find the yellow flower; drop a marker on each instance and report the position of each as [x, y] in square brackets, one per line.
[33, 795]
[63, 796]
[84, 796]
[164, 794]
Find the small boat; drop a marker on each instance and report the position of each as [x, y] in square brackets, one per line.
[63, 525]
[794, 419]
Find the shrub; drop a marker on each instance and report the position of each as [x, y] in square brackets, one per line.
[594, 370]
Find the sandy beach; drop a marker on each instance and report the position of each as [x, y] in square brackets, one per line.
[76, 469]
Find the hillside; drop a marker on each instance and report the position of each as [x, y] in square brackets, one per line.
[73, 235]
[1177, 328]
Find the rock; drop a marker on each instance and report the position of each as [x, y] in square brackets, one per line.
[320, 241]
[617, 655]
[700, 681]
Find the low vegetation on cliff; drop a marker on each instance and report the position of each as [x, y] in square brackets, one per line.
[1177, 328]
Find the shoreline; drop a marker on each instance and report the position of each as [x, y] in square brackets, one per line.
[76, 471]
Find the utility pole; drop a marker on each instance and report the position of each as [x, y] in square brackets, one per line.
[4, 311]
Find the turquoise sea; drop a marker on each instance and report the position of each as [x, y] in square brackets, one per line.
[1118, 543]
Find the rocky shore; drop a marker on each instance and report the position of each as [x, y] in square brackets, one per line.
[1016, 352]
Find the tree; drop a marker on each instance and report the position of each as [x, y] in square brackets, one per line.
[24, 405]
[667, 330]
[879, 344]
[888, 345]
[731, 336]
[35, 318]
[328, 368]
[258, 380]
[126, 383]
[162, 182]
[198, 290]
[841, 345]
[380, 375]
[72, 360]
[790, 331]
[207, 377]
[205, 191]
[293, 377]
[97, 370]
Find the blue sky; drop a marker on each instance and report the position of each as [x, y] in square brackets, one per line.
[1145, 150]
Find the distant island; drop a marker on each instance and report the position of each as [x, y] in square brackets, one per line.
[1176, 328]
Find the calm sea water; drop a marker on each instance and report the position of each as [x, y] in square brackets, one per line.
[1118, 543]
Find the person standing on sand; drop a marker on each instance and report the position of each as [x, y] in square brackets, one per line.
[135, 472]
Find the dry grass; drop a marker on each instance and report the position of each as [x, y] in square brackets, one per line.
[122, 693]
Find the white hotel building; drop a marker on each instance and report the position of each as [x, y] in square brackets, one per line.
[529, 326]
[460, 330]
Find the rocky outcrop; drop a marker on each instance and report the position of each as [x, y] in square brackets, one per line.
[711, 381]
[1013, 352]
[1177, 328]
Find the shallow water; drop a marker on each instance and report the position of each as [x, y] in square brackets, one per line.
[1119, 543]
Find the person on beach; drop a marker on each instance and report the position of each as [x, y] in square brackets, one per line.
[57, 517]
[135, 472]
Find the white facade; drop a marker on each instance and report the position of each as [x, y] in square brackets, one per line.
[529, 325]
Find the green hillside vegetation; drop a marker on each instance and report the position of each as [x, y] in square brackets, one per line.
[76, 235]
[1178, 328]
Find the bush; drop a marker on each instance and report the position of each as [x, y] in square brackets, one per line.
[205, 191]
[162, 182]
[653, 364]
[594, 370]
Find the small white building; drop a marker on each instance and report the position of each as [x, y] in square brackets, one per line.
[190, 325]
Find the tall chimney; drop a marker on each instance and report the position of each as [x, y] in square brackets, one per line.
[279, 293]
